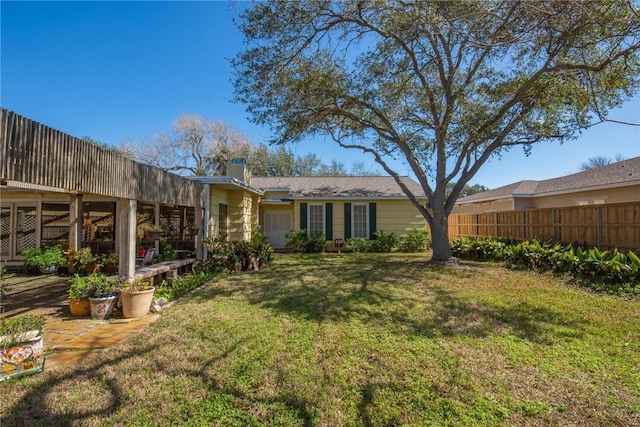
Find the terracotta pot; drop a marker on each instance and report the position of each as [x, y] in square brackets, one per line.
[92, 268]
[154, 235]
[136, 303]
[80, 308]
[101, 308]
[110, 269]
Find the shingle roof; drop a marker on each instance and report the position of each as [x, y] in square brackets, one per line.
[626, 172]
[337, 186]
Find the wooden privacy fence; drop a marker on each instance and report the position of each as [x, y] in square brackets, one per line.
[603, 226]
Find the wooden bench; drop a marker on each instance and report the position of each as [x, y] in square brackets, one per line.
[162, 270]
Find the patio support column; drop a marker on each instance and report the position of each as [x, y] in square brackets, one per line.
[197, 239]
[207, 219]
[156, 222]
[75, 221]
[126, 239]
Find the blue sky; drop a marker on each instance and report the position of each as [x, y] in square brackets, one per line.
[123, 71]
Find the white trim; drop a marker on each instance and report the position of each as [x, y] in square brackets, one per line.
[324, 219]
[353, 218]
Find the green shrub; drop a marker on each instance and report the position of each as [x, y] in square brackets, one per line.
[182, 285]
[237, 256]
[41, 258]
[414, 241]
[167, 252]
[298, 241]
[358, 245]
[79, 288]
[13, 328]
[609, 271]
[316, 243]
[384, 241]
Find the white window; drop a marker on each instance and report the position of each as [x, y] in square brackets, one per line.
[316, 219]
[360, 220]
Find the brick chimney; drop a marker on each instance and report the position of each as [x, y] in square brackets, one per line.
[237, 168]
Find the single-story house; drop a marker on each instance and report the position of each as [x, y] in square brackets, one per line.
[59, 189]
[340, 207]
[611, 184]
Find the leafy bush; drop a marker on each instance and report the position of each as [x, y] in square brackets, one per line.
[296, 240]
[237, 255]
[79, 288]
[182, 285]
[12, 329]
[299, 241]
[316, 243]
[479, 249]
[41, 258]
[167, 252]
[384, 241]
[414, 241]
[610, 271]
[359, 245]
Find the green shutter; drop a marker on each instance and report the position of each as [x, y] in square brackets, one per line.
[347, 221]
[328, 220]
[303, 216]
[372, 220]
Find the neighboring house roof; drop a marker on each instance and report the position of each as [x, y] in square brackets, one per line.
[338, 186]
[620, 174]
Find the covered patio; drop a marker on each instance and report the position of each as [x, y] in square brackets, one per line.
[58, 189]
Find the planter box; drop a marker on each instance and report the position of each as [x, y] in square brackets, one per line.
[25, 357]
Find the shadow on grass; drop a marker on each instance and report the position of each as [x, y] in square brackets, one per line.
[44, 404]
[402, 294]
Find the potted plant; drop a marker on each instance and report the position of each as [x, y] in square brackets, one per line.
[103, 293]
[21, 346]
[44, 260]
[78, 293]
[109, 263]
[153, 232]
[136, 296]
[190, 229]
[85, 261]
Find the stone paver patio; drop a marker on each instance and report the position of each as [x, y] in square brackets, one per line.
[67, 339]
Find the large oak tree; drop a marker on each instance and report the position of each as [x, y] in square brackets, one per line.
[442, 86]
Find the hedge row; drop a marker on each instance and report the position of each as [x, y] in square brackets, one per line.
[610, 271]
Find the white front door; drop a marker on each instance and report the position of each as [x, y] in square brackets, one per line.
[276, 225]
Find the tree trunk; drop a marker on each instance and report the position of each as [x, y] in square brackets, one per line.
[440, 237]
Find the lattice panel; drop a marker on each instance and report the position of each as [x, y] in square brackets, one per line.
[5, 232]
[25, 228]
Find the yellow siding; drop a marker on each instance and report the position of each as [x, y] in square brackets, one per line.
[397, 216]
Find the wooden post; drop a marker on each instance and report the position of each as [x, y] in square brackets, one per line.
[126, 236]
[75, 221]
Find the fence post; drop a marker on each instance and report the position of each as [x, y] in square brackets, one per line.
[553, 225]
[495, 221]
[524, 228]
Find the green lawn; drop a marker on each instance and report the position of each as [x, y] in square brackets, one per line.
[360, 340]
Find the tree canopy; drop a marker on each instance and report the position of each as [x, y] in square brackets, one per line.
[599, 161]
[439, 85]
[198, 146]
